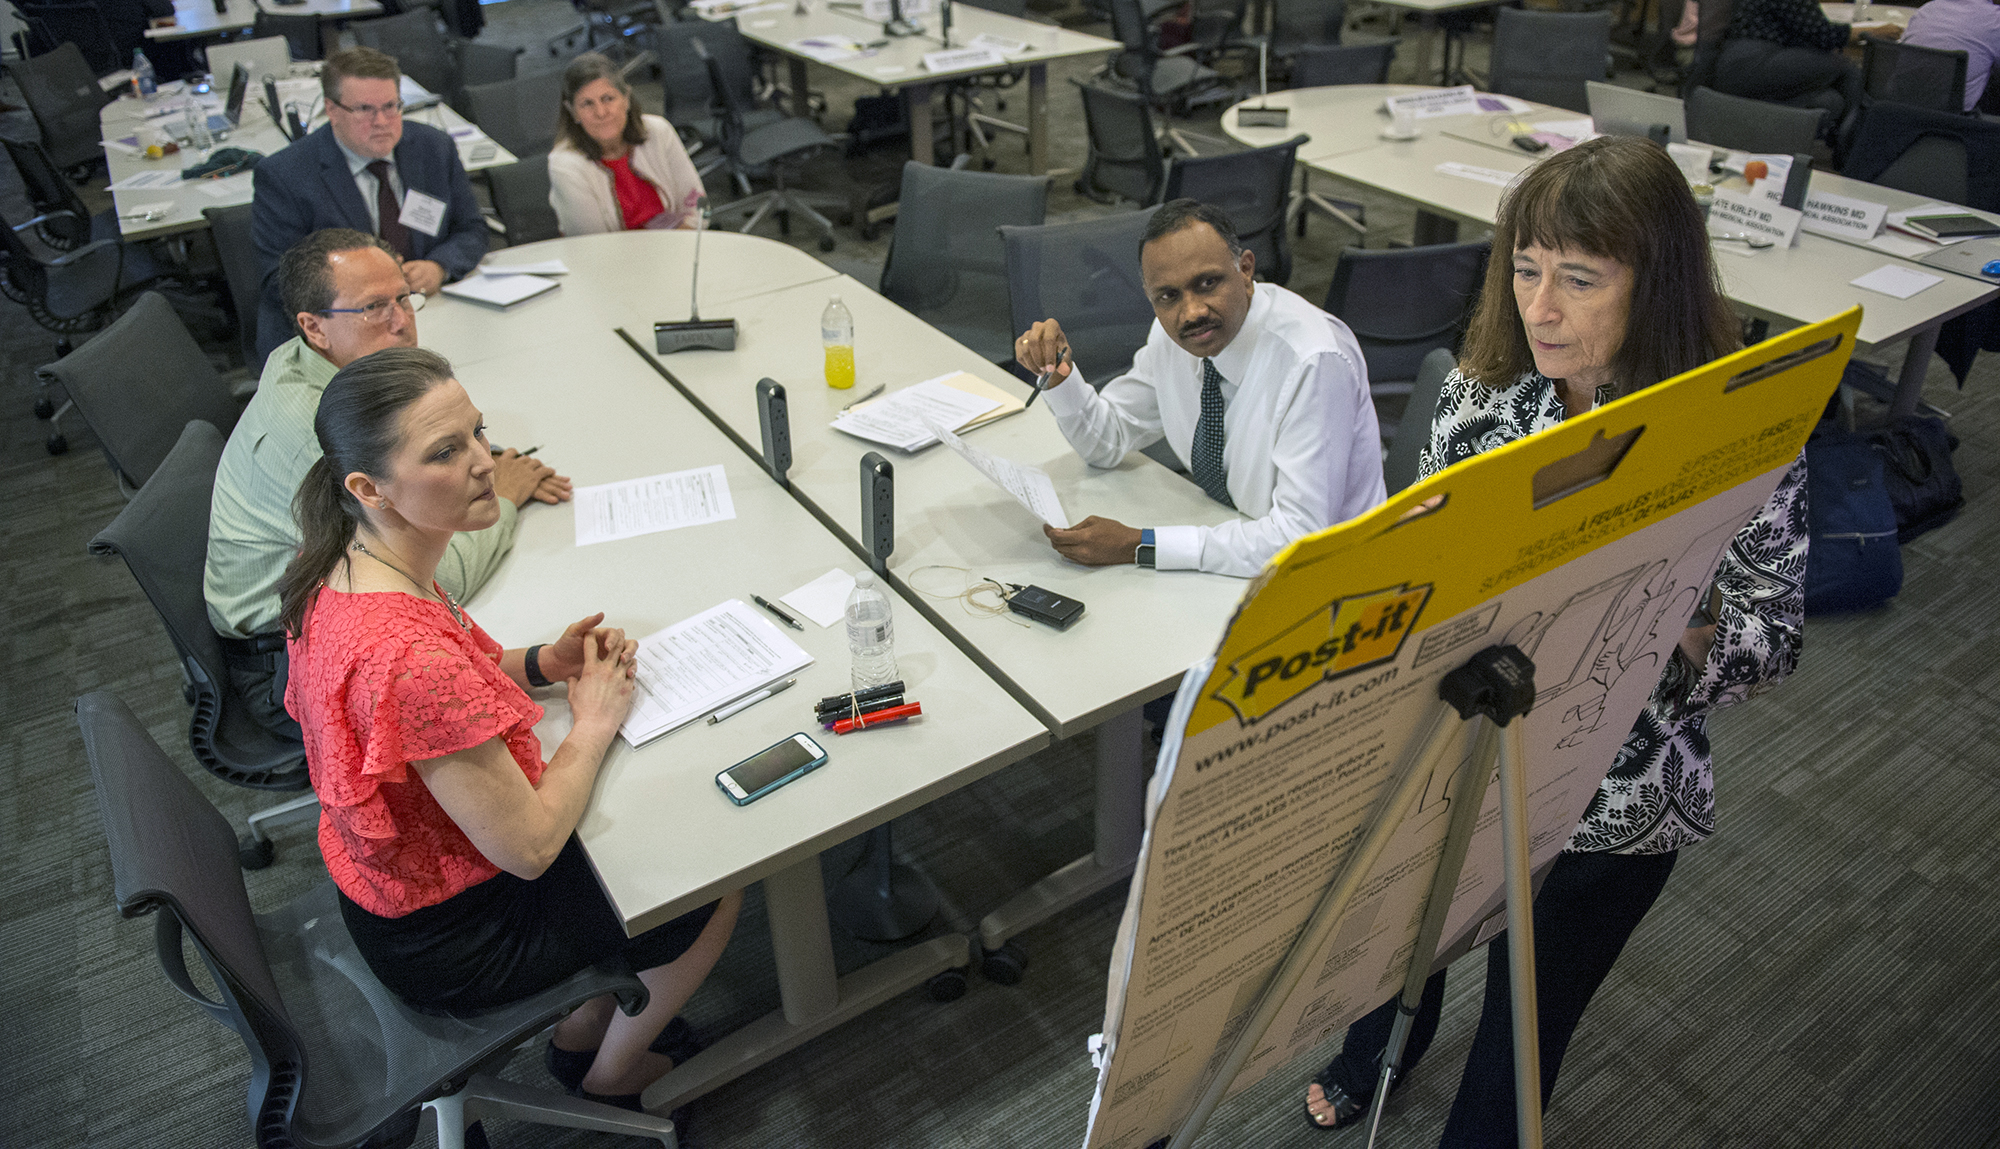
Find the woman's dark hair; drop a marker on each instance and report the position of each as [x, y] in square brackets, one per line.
[1614, 198]
[359, 425]
[582, 72]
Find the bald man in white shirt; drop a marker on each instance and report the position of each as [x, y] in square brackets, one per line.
[1264, 395]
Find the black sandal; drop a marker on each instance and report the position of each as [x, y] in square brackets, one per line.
[1345, 1106]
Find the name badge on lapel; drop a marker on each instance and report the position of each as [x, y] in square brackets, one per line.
[420, 212]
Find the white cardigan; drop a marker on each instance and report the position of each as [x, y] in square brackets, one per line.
[580, 188]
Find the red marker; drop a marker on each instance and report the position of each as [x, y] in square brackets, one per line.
[878, 718]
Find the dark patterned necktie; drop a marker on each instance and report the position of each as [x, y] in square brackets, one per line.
[391, 228]
[1206, 454]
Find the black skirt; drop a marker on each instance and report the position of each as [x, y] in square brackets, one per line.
[507, 938]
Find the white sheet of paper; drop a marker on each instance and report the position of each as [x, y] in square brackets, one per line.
[148, 181]
[1902, 246]
[225, 188]
[420, 212]
[824, 599]
[1493, 176]
[903, 419]
[545, 267]
[1900, 282]
[880, 10]
[1030, 486]
[695, 667]
[960, 59]
[1001, 44]
[500, 290]
[1581, 128]
[635, 507]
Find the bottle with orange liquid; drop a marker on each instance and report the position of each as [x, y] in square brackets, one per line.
[836, 332]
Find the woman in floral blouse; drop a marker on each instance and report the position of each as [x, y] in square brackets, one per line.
[1601, 285]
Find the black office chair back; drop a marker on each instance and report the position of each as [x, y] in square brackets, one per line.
[62, 94]
[1085, 275]
[419, 46]
[1743, 124]
[1124, 158]
[70, 224]
[521, 114]
[1253, 188]
[1130, 27]
[162, 535]
[1404, 303]
[300, 32]
[336, 1059]
[521, 197]
[1324, 65]
[730, 105]
[66, 297]
[82, 25]
[1940, 155]
[691, 98]
[1413, 428]
[1931, 78]
[1548, 57]
[236, 247]
[946, 263]
[1297, 24]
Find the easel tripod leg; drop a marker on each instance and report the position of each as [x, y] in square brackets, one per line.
[1520, 938]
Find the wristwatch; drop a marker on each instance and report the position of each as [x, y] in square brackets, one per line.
[1143, 555]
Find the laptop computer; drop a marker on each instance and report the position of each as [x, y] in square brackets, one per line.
[271, 56]
[1966, 257]
[239, 86]
[1619, 111]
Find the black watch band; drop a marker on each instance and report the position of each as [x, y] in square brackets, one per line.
[532, 663]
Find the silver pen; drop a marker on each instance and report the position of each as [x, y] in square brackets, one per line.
[879, 388]
[743, 704]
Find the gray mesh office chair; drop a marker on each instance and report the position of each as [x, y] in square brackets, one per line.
[444, 65]
[1547, 57]
[62, 94]
[335, 1058]
[521, 196]
[767, 152]
[301, 32]
[1296, 24]
[82, 25]
[236, 247]
[1404, 303]
[62, 220]
[520, 113]
[162, 535]
[1413, 428]
[1124, 157]
[1254, 189]
[1168, 78]
[67, 294]
[692, 103]
[1932, 78]
[946, 263]
[1941, 155]
[138, 383]
[1085, 275]
[1324, 65]
[1744, 124]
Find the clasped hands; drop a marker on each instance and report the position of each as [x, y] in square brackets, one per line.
[584, 643]
[1095, 541]
[518, 478]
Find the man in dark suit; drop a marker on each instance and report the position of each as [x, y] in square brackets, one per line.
[370, 171]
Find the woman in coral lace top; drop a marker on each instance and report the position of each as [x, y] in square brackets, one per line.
[450, 838]
[612, 168]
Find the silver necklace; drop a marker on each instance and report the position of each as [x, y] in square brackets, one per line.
[456, 614]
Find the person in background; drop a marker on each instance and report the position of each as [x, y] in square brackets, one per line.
[450, 839]
[1969, 26]
[1601, 233]
[1788, 52]
[613, 168]
[348, 299]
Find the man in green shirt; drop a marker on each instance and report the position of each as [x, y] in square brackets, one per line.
[348, 298]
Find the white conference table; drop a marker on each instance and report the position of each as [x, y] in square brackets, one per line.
[1802, 284]
[1141, 629]
[898, 64]
[182, 204]
[661, 837]
[194, 19]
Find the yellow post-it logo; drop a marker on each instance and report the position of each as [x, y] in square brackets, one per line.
[1340, 638]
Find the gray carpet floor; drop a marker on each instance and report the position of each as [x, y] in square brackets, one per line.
[1823, 972]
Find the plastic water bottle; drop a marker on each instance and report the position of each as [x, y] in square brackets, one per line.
[142, 75]
[871, 633]
[196, 118]
[1860, 15]
[836, 332]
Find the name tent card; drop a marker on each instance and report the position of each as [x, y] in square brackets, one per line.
[1842, 217]
[1756, 215]
[962, 59]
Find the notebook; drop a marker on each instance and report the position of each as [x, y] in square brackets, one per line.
[1951, 226]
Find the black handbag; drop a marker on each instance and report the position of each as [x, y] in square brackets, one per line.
[1852, 560]
[1923, 485]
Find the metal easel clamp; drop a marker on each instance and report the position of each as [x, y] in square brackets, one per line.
[1498, 682]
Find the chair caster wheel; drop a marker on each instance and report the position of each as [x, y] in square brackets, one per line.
[45, 409]
[255, 853]
[57, 444]
[1003, 966]
[947, 986]
[826, 243]
[869, 231]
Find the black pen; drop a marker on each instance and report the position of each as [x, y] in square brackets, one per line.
[524, 454]
[772, 607]
[1042, 380]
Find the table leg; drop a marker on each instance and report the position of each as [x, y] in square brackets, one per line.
[1916, 365]
[918, 98]
[1038, 119]
[802, 942]
[1427, 42]
[1431, 229]
[1121, 816]
[801, 94]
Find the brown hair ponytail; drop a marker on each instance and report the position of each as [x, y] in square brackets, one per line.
[359, 426]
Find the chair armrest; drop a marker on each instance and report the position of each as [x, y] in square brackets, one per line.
[1180, 50]
[47, 217]
[87, 251]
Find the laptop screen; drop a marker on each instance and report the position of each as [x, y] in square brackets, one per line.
[1620, 111]
[239, 84]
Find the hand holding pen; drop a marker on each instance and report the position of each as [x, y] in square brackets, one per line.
[1045, 351]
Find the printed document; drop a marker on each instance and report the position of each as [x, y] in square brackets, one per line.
[654, 503]
[695, 667]
[906, 419]
[1030, 486]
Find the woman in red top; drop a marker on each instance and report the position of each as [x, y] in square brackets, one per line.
[450, 839]
[612, 168]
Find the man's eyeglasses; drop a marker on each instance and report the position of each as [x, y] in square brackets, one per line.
[368, 111]
[378, 313]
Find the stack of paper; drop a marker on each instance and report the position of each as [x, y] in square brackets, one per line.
[499, 290]
[696, 667]
[905, 419]
[827, 49]
[542, 267]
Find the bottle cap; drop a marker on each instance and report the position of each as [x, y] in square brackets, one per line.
[865, 578]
